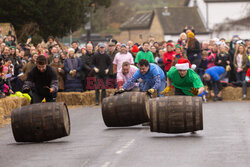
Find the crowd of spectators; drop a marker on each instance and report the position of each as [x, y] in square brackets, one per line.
[80, 69]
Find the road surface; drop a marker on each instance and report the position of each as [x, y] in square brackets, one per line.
[224, 142]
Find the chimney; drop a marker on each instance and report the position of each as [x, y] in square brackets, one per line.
[165, 11]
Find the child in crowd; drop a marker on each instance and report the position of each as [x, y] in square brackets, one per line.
[203, 65]
[178, 54]
[168, 56]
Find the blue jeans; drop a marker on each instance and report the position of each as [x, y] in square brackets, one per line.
[146, 85]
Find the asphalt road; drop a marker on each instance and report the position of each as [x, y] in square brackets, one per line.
[224, 142]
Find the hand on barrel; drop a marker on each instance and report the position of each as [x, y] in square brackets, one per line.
[50, 90]
[119, 91]
[194, 91]
[26, 90]
[166, 90]
[150, 92]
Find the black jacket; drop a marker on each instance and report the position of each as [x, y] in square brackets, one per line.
[224, 57]
[86, 64]
[38, 81]
[102, 62]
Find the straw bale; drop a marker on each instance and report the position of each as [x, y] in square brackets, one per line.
[232, 93]
[77, 98]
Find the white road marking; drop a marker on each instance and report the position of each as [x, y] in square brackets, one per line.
[106, 164]
[125, 146]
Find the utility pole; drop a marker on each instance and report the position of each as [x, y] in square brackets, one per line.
[88, 26]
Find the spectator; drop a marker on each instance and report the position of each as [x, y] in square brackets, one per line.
[130, 44]
[112, 53]
[168, 57]
[212, 56]
[213, 76]
[72, 67]
[159, 61]
[178, 54]
[29, 66]
[63, 57]
[223, 58]
[87, 70]
[193, 50]
[134, 51]
[101, 62]
[5, 53]
[121, 57]
[74, 45]
[203, 65]
[125, 73]
[59, 68]
[145, 53]
[240, 63]
[154, 51]
[50, 42]
[204, 46]
[246, 83]
[182, 40]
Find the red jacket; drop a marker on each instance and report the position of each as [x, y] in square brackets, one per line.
[167, 59]
[248, 74]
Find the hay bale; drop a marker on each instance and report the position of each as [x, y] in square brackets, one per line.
[59, 97]
[66, 97]
[86, 98]
[232, 93]
[1, 115]
[8, 104]
[76, 98]
[248, 93]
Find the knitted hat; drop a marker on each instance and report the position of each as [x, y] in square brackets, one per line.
[178, 46]
[190, 35]
[170, 44]
[71, 49]
[135, 49]
[183, 64]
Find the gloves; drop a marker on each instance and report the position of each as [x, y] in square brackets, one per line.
[194, 91]
[73, 73]
[166, 90]
[96, 69]
[150, 92]
[120, 91]
[26, 90]
[106, 71]
[228, 68]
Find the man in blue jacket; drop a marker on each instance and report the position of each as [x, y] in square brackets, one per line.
[153, 78]
[213, 76]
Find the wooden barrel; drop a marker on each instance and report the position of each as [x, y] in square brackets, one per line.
[126, 109]
[175, 114]
[40, 122]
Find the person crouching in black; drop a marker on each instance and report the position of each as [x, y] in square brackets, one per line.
[42, 82]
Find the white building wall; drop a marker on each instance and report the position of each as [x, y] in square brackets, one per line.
[243, 34]
[219, 12]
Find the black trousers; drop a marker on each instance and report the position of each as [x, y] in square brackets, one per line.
[37, 98]
[245, 84]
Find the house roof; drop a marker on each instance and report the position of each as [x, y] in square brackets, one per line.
[139, 21]
[212, 1]
[176, 18]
